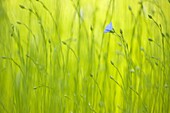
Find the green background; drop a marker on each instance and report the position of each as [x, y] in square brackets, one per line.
[56, 58]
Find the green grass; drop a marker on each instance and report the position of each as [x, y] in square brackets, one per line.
[56, 58]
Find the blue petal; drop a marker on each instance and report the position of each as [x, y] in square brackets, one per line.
[108, 28]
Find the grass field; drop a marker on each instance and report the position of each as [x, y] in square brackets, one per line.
[56, 58]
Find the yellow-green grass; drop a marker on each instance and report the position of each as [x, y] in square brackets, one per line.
[56, 58]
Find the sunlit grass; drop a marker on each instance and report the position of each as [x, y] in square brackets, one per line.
[56, 58]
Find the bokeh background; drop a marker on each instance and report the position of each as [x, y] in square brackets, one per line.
[56, 58]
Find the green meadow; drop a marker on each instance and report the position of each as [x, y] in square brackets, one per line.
[56, 58]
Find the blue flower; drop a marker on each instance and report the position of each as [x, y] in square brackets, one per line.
[109, 28]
